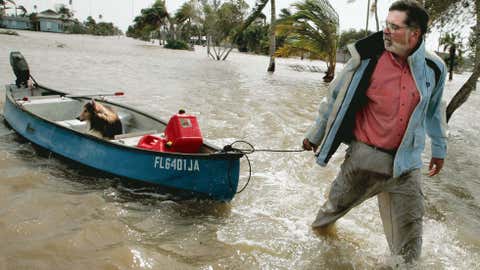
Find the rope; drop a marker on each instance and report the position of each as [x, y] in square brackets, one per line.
[34, 81]
[229, 147]
[251, 150]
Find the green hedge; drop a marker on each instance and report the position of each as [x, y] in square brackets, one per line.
[176, 45]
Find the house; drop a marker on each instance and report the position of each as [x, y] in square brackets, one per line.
[51, 21]
[15, 22]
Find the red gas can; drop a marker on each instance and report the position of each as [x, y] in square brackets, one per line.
[152, 143]
[183, 133]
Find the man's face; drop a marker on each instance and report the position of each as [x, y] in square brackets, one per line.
[397, 36]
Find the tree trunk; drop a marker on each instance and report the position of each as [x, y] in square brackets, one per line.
[462, 95]
[172, 29]
[368, 16]
[332, 60]
[228, 52]
[208, 47]
[376, 15]
[271, 66]
[451, 61]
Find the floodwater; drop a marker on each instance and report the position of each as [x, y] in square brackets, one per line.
[57, 215]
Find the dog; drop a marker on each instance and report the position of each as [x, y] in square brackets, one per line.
[103, 121]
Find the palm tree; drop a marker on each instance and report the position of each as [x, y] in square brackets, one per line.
[449, 43]
[157, 16]
[312, 28]
[185, 16]
[65, 12]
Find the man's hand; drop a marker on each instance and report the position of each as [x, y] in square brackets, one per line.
[436, 164]
[307, 145]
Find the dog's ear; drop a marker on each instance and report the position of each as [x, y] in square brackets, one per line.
[94, 105]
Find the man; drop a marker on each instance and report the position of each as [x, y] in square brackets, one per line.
[382, 103]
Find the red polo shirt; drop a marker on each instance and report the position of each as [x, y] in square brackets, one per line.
[392, 97]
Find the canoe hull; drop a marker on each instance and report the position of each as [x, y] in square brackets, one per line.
[211, 175]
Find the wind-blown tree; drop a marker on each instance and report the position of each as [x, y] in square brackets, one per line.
[153, 21]
[221, 22]
[443, 12]
[65, 12]
[186, 16]
[312, 29]
[280, 39]
[66, 15]
[157, 16]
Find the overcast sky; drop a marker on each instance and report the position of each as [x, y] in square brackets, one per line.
[122, 12]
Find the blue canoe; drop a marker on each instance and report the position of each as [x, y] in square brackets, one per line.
[47, 118]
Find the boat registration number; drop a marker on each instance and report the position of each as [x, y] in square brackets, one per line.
[176, 164]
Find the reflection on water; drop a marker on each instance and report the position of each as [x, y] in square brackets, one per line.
[57, 215]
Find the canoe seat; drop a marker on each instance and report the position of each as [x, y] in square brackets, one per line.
[74, 124]
[131, 139]
[51, 107]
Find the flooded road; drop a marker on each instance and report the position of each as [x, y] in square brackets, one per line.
[57, 215]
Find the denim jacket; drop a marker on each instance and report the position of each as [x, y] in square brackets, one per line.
[336, 116]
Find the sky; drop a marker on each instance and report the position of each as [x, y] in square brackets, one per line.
[122, 12]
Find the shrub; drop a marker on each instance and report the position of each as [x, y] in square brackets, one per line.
[176, 45]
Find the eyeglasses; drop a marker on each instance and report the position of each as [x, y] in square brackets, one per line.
[393, 27]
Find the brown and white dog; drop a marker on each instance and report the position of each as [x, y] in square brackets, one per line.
[102, 120]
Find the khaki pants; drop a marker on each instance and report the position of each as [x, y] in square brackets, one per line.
[366, 172]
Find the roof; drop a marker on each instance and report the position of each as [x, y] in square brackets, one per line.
[50, 14]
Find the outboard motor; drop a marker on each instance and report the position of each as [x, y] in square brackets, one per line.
[20, 68]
